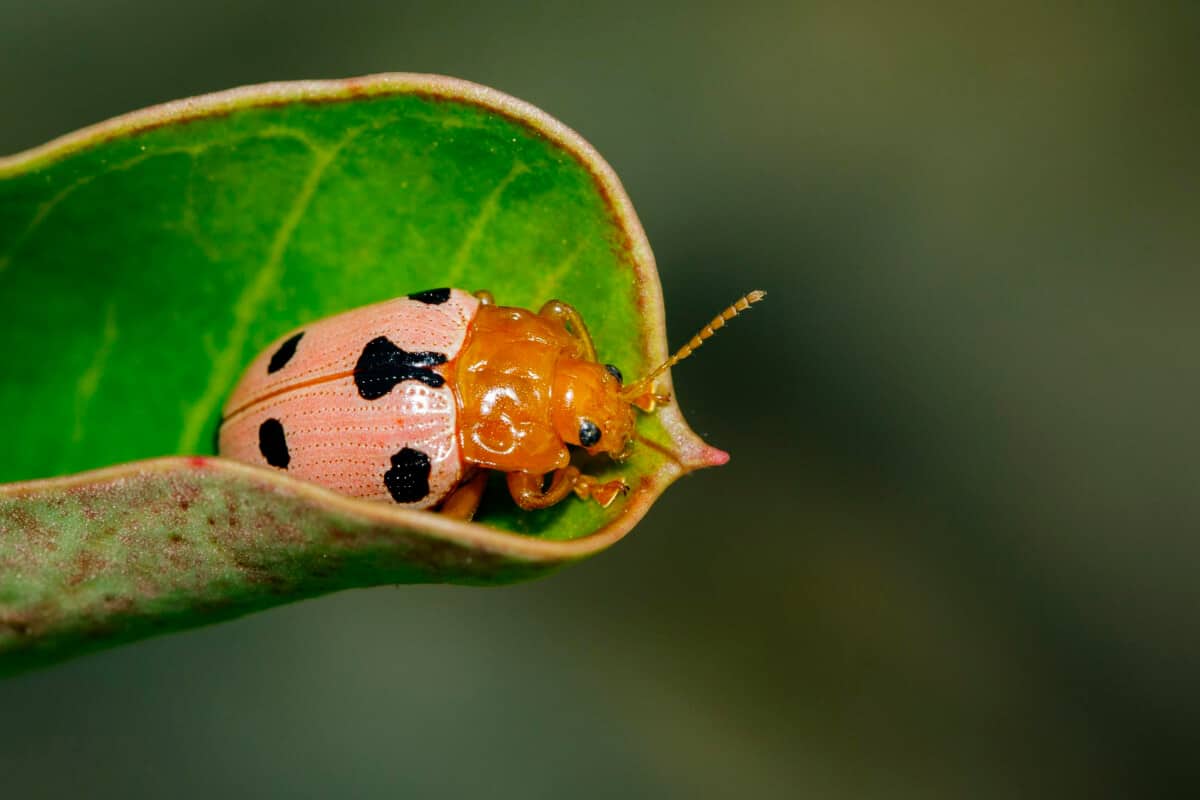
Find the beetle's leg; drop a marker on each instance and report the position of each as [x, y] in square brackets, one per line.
[463, 502]
[570, 319]
[526, 488]
[485, 298]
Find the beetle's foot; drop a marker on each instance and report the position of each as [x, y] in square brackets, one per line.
[485, 298]
[588, 488]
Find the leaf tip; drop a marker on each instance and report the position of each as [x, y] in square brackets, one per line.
[710, 456]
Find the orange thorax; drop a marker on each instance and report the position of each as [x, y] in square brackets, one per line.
[504, 377]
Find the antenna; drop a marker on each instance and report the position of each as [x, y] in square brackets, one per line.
[707, 331]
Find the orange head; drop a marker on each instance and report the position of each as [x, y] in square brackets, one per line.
[593, 409]
[588, 409]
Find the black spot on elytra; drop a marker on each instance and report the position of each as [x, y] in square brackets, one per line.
[382, 365]
[273, 444]
[284, 354]
[433, 297]
[408, 479]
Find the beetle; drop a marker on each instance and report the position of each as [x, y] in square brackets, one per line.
[413, 400]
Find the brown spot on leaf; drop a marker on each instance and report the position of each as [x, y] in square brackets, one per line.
[87, 566]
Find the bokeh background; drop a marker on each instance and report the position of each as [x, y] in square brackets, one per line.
[955, 553]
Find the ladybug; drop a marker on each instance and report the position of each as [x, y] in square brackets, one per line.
[414, 399]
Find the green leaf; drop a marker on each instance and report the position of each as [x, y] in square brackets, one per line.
[144, 261]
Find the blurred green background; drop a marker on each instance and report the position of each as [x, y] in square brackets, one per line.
[955, 552]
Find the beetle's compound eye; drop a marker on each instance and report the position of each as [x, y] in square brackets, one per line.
[589, 433]
[616, 373]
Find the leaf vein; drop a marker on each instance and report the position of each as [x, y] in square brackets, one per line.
[89, 379]
[548, 285]
[249, 303]
[487, 211]
[48, 206]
